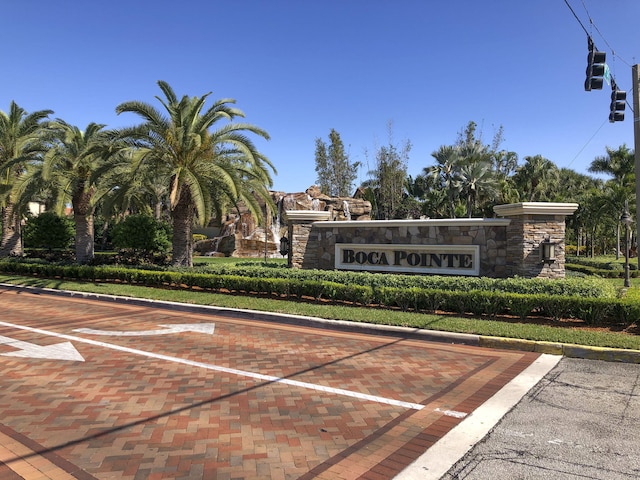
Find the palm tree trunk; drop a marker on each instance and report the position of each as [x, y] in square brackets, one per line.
[11, 244]
[182, 216]
[84, 238]
[83, 216]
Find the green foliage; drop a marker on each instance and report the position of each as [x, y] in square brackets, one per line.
[209, 164]
[477, 296]
[142, 233]
[335, 173]
[387, 179]
[588, 287]
[48, 230]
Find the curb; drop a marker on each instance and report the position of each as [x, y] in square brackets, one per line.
[565, 349]
[550, 348]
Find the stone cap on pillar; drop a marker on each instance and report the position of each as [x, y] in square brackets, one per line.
[535, 208]
[307, 216]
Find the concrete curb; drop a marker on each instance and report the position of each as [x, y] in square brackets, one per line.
[565, 349]
[551, 348]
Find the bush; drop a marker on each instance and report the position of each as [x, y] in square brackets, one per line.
[49, 230]
[198, 237]
[142, 233]
[490, 301]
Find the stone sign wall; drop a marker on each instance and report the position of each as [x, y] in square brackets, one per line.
[493, 247]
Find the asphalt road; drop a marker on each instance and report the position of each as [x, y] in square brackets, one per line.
[581, 421]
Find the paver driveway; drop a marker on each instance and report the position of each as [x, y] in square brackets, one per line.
[143, 399]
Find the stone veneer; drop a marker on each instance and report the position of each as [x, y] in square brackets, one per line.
[488, 234]
[508, 246]
[533, 223]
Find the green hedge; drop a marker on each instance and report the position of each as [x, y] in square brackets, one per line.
[590, 287]
[601, 272]
[499, 297]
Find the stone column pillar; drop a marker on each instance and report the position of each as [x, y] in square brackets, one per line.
[299, 227]
[532, 224]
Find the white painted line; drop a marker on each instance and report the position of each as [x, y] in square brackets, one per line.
[452, 413]
[217, 368]
[207, 328]
[438, 459]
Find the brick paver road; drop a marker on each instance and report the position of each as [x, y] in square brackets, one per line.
[239, 399]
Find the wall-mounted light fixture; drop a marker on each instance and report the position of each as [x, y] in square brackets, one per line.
[284, 246]
[548, 251]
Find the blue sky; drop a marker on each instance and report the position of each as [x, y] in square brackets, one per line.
[299, 68]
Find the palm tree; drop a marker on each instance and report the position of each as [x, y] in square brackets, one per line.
[620, 164]
[444, 173]
[73, 170]
[476, 179]
[136, 187]
[617, 163]
[21, 141]
[536, 178]
[200, 163]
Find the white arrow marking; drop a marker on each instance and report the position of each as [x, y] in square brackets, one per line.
[207, 328]
[218, 368]
[59, 351]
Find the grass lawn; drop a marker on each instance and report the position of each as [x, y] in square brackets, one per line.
[521, 330]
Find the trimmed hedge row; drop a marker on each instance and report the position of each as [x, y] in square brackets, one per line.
[477, 302]
[586, 287]
[601, 272]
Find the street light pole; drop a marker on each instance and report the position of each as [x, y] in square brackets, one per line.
[636, 142]
[626, 219]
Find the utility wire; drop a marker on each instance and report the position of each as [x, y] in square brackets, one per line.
[587, 143]
[574, 14]
[592, 23]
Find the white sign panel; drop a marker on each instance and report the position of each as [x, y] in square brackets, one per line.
[430, 259]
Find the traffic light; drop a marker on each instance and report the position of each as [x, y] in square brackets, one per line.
[595, 68]
[618, 103]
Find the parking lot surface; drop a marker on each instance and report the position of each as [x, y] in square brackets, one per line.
[91, 389]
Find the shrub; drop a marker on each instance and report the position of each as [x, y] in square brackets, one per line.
[48, 230]
[198, 237]
[142, 233]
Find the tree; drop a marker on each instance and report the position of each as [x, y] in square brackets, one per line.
[21, 142]
[620, 164]
[475, 179]
[617, 163]
[335, 173]
[74, 169]
[444, 174]
[202, 165]
[536, 179]
[387, 180]
[472, 175]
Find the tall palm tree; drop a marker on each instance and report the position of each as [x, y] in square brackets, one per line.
[73, 170]
[21, 141]
[620, 164]
[198, 161]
